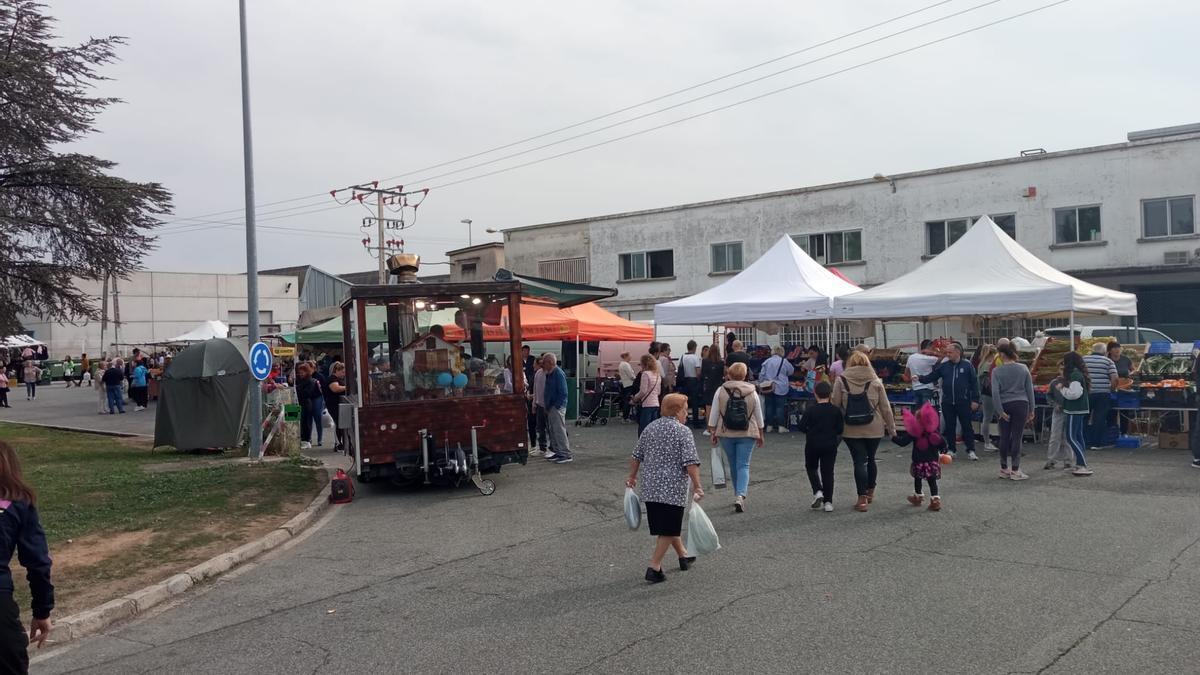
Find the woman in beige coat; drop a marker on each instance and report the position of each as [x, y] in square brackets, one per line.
[739, 432]
[863, 438]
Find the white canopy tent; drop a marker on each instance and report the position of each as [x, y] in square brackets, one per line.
[205, 331]
[783, 286]
[985, 273]
[19, 341]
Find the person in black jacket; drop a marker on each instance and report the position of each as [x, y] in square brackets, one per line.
[113, 381]
[21, 531]
[822, 425]
[307, 392]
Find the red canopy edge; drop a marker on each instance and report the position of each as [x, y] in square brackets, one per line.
[589, 322]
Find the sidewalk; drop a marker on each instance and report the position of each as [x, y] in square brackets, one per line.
[75, 408]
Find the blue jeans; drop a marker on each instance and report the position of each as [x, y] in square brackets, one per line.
[738, 451]
[775, 410]
[116, 397]
[1097, 431]
[921, 397]
[646, 415]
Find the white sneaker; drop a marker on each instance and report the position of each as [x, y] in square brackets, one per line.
[1081, 471]
[138, 409]
[535, 453]
[828, 507]
[1018, 475]
[972, 456]
[549, 454]
[783, 430]
[305, 445]
[990, 448]
[818, 499]
[706, 433]
[1005, 473]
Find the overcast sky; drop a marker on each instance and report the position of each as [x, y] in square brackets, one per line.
[352, 91]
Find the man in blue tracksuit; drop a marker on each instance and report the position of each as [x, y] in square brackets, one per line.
[556, 409]
[960, 396]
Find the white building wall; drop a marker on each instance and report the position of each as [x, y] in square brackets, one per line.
[1117, 177]
[156, 306]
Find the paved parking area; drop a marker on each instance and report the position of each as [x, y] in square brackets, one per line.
[1056, 574]
[75, 407]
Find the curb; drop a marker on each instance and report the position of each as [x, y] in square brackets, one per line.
[91, 621]
[79, 430]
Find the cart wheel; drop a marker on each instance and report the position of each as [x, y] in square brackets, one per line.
[487, 487]
[603, 421]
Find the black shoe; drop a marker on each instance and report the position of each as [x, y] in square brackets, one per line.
[655, 576]
[685, 563]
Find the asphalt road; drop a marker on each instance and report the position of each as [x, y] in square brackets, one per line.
[1056, 574]
[75, 408]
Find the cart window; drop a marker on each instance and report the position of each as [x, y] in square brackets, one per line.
[446, 346]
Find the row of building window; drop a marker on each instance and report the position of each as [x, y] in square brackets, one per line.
[1166, 217]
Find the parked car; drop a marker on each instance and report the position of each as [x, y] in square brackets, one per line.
[1126, 335]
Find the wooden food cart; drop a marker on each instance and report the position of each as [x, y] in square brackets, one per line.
[423, 406]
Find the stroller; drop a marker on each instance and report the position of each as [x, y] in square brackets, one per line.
[601, 404]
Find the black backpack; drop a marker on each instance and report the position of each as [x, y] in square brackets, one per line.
[859, 410]
[737, 414]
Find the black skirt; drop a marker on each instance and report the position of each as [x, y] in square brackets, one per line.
[666, 520]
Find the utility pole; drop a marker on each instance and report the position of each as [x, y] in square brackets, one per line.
[383, 196]
[116, 314]
[254, 422]
[379, 221]
[104, 318]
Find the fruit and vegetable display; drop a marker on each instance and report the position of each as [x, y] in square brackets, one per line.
[1166, 366]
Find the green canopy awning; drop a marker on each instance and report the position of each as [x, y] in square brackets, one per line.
[330, 332]
[561, 294]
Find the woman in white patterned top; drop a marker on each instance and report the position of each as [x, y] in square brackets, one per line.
[666, 454]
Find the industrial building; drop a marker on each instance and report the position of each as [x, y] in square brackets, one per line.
[152, 307]
[1119, 215]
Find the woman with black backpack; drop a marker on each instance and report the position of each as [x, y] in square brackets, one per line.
[868, 417]
[736, 420]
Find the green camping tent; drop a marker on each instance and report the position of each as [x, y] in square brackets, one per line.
[203, 395]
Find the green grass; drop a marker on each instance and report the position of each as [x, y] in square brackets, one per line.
[96, 485]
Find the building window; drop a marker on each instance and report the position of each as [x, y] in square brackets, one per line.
[647, 265]
[727, 257]
[941, 234]
[571, 270]
[830, 248]
[1168, 217]
[467, 270]
[1077, 224]
[744, 335]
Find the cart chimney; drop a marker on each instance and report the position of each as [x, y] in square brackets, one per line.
[405, 266]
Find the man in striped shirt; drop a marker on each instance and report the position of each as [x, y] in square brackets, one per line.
[1103, 375]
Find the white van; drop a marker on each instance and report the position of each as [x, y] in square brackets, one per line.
[1126, 335]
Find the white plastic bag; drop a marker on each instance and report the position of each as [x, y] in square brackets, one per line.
[718, 468]
[702, 537]
[327, 419]
[633, 509]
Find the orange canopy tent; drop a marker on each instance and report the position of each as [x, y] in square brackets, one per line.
[588, 322]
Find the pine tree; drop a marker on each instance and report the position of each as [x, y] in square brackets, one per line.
[63, 215]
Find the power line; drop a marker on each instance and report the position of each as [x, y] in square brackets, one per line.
[596, 118]
[708, 95]
[754, 98]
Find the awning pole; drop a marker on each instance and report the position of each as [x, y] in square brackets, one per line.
[1071, 331]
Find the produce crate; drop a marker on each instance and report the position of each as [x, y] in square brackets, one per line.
[908, 396]
[1126, 400]
[1129, 442]
[1155, 397]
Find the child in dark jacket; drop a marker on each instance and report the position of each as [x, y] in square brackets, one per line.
[20, 532]
[822, 426]
[921, 431]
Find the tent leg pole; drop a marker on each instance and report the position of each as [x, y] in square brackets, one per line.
[1071, 330]
[885, 335]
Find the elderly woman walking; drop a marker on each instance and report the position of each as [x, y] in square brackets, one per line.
[666, 455]
[736, 421]
[1012, 390]
[648, 392]
[868, 417]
